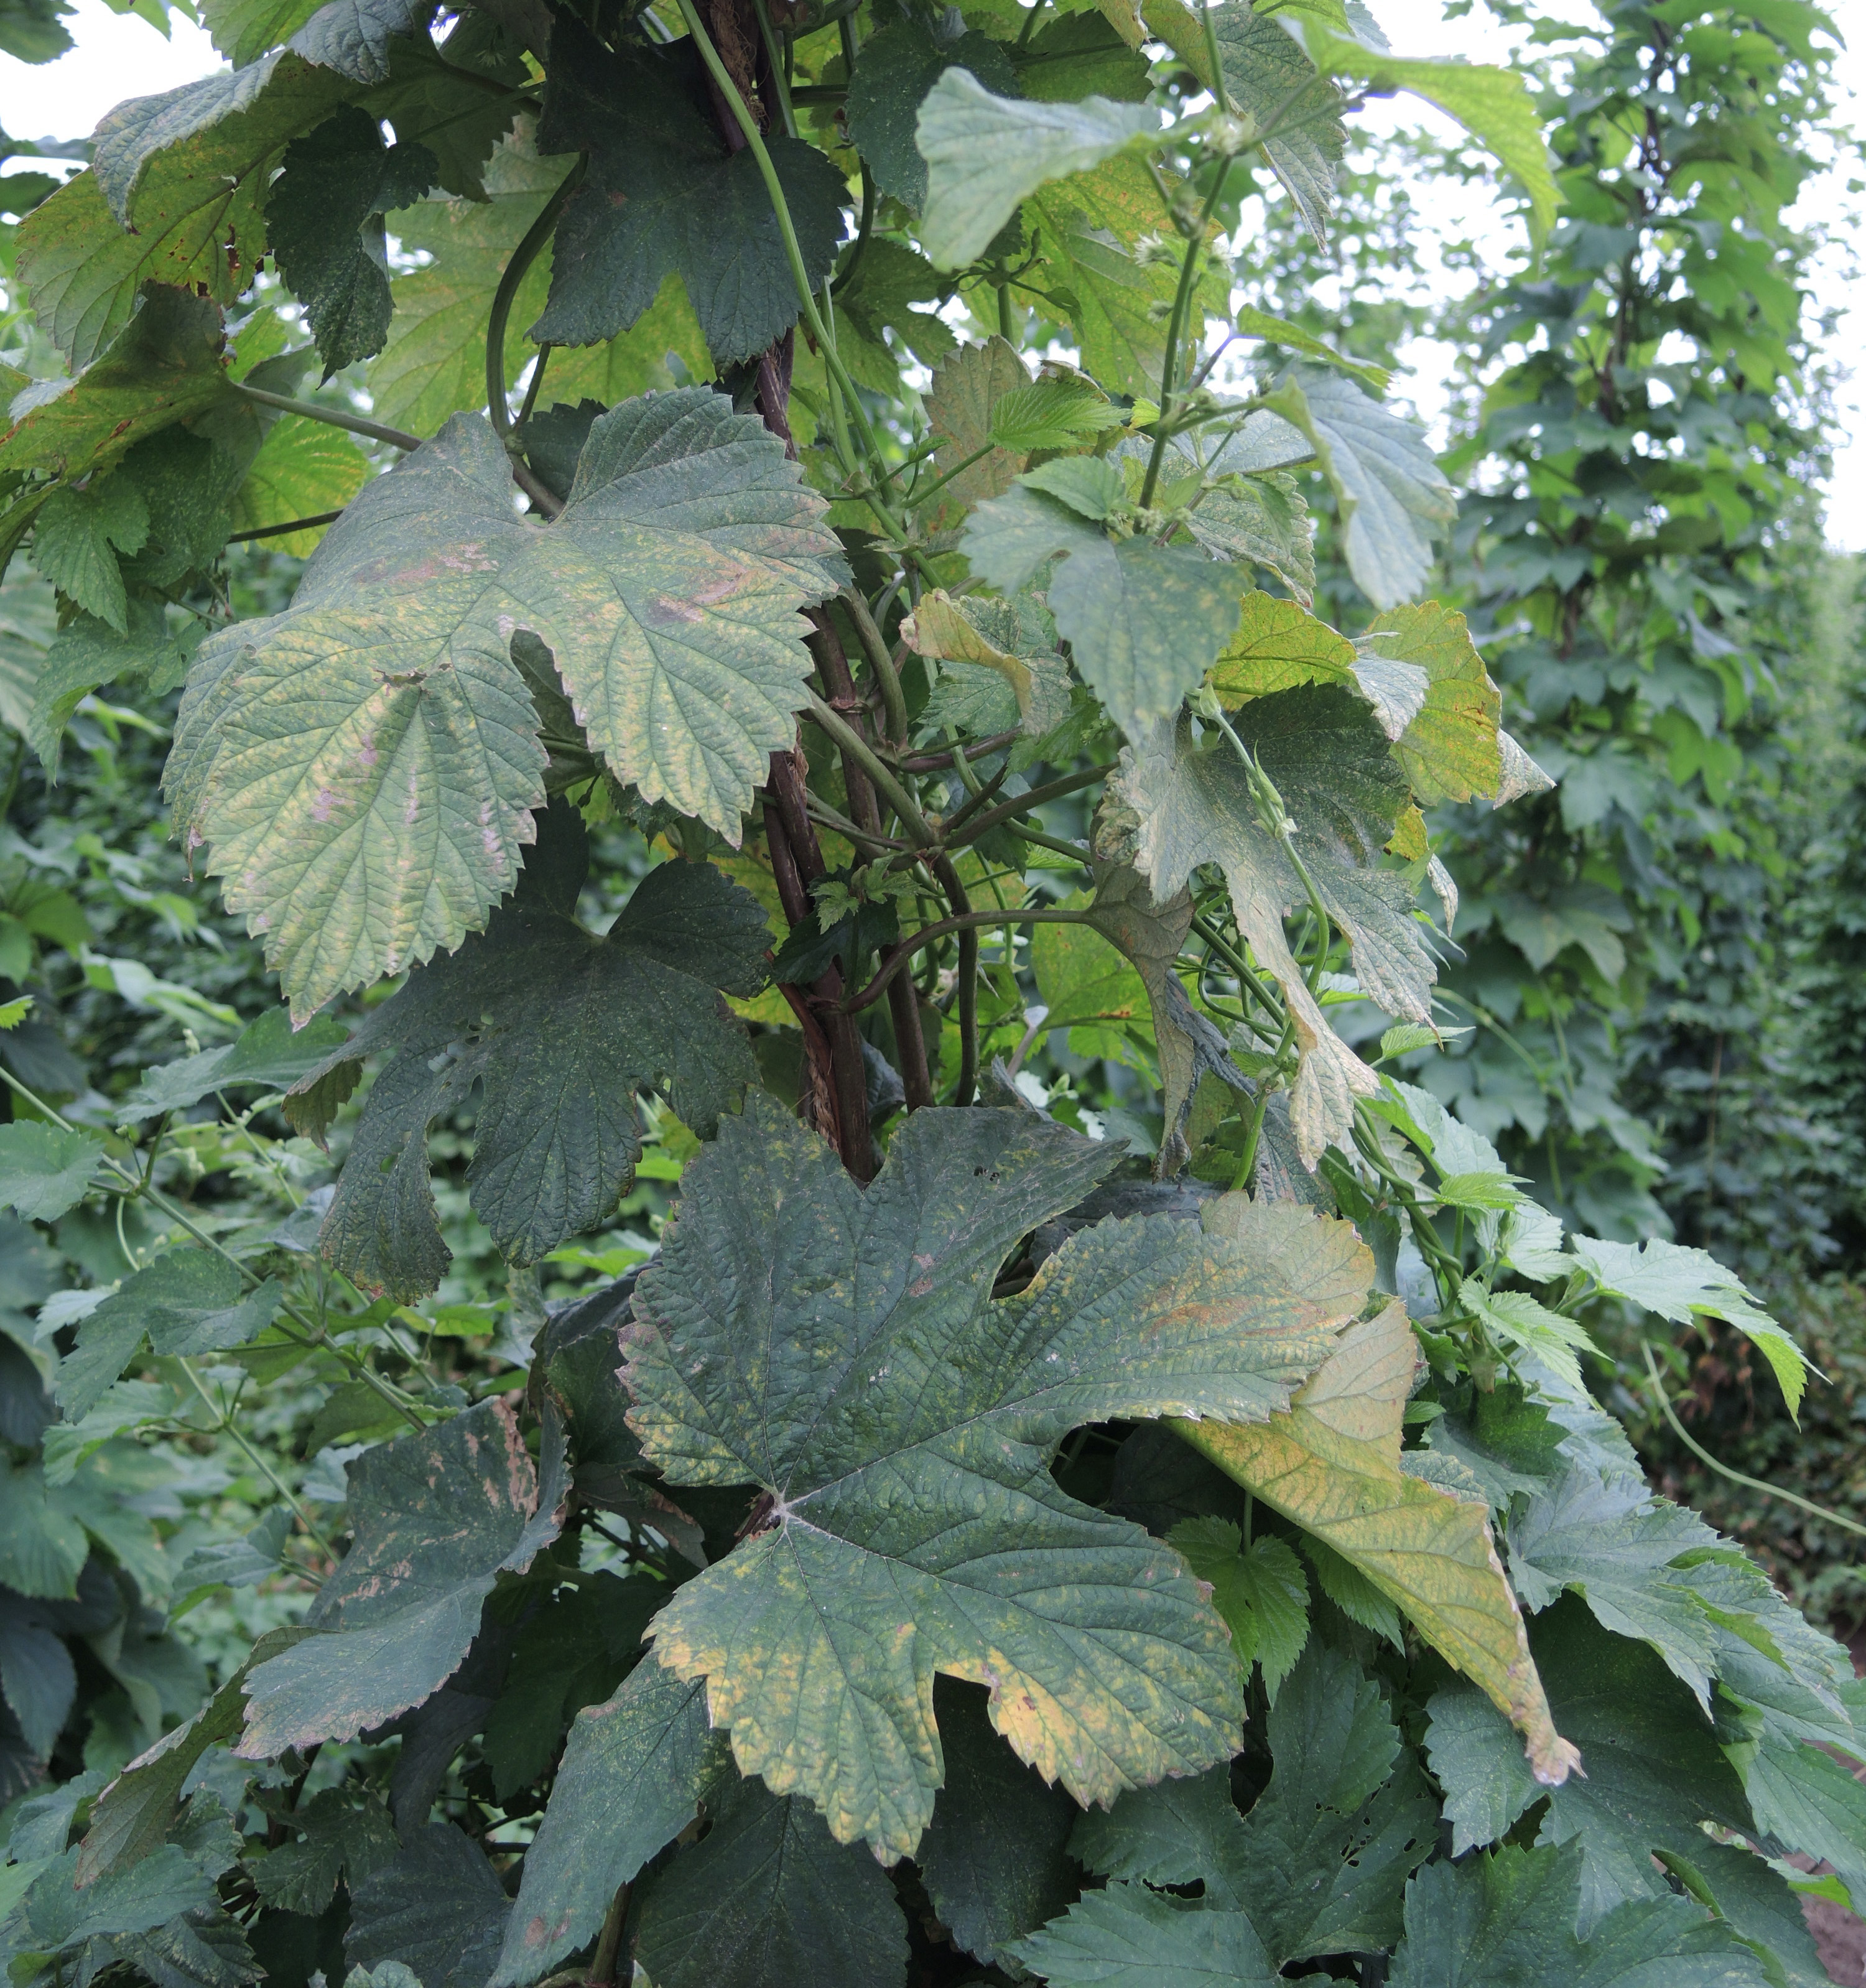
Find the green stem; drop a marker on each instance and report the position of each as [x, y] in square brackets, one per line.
[1271, 1004]
[521, 260]
[1175, 330]
[134, 1186]
[1219, 95]
[331, 417]
[1030, 26]
[1724, 1470]
[225, 1425]
[1050, 842]
[862, 228]
[1034, 798]
[854, 743]
[1247, 1166]
[755, 144]
[918, 498]
[284, 531]
[963, 921]
[532, 384]
[874, 647]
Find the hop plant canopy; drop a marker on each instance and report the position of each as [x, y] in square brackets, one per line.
[994, 1538]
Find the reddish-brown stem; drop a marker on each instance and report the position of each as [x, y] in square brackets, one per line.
[903, 998]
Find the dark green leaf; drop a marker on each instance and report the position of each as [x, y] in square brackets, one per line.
[45, 1169]
[133, 1814]
[897, 67]
[199, 1950]
[187, 483]
[42, 1545]
[631, 1778]
[436, 1907]
[324, 215]
[664, 197]
[1654, 1771]
[56, 1915]
[1325, 1850]
[907, 1371]
[1478, 1763]
[1507, 1921]
[572, 1653]
[562, 1029]
[336, 1839]
[995, 1858]
[1129, 1937]
[36, 1673]
[76, 540]
[1177, 1832]
[554, 439]
[766, 1899]
[437, 1515]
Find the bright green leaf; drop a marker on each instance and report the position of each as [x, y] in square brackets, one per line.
[984, 154]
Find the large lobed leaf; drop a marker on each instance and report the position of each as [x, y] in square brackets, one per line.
[840, 1348]
[437, 1514]
[363, 766]
[562, 1029]
[664, 197]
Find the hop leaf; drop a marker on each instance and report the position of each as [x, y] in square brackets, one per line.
[841, 1350]
[364, 765]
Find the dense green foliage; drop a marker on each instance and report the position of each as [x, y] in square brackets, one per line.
[842, 1327]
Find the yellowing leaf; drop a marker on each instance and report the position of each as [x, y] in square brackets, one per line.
[1450, 750]
[1277, 645]
[1333, 1465]
[363, 765]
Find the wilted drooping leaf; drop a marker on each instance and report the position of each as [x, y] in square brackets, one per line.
[437, 1514]
[1394, 499]
[363, 766]
[1329, 760]
[891, 1364]
[1333, 1465]
[562, 1029]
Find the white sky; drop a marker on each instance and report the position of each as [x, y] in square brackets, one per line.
[118, 56]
